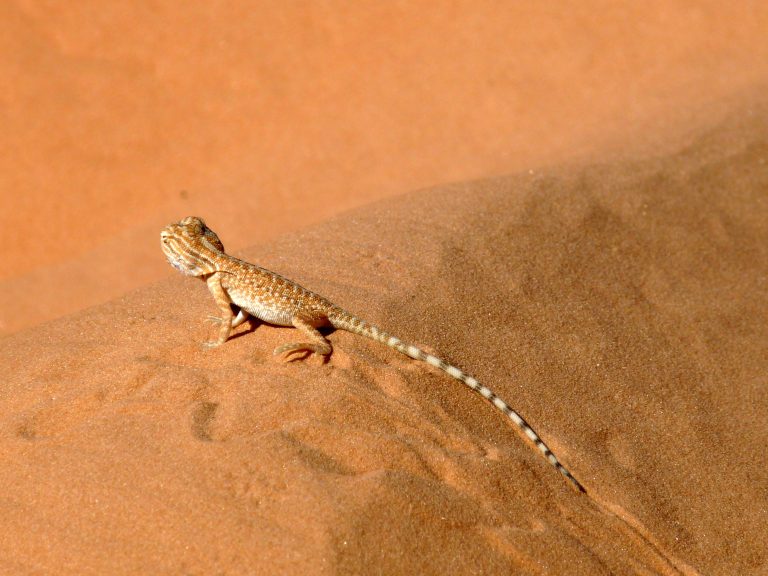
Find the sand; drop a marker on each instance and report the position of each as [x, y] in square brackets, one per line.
[622, 308]
[269, 116]
[603, 266]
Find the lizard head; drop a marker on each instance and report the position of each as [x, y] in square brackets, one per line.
[190, 246]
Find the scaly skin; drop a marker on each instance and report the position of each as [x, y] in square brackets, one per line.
[195, 250]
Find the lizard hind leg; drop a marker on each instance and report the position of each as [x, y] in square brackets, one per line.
[317, 344]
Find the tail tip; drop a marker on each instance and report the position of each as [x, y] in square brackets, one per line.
[576, 483]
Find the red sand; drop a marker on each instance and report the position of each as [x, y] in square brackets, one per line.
[265, 117]
[621, 308]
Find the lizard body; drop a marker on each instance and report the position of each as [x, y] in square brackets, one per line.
[195, 250]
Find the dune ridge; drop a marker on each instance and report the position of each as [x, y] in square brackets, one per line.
[116, 119]
[621, 308]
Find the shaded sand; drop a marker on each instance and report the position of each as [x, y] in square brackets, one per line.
[269, 116]
[623, 309]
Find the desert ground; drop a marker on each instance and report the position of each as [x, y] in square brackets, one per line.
[570, 202]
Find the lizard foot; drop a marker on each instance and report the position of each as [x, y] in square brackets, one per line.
[302, 351]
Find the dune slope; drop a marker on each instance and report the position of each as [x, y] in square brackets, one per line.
[622, 309]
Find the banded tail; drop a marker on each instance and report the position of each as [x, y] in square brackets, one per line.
[343, 320]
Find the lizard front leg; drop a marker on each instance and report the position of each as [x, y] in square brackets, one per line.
[223, 302]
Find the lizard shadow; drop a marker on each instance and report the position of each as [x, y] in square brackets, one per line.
[250, 330]
[251, 324]
[254, 323]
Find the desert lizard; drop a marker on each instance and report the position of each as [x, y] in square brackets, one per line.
[195, 250]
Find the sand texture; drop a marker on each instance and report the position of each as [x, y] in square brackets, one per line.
[621, 308]
[267, 116]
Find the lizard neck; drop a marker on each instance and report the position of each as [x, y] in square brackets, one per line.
[210, 259]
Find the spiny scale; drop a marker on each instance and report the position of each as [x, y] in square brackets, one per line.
[195, 250]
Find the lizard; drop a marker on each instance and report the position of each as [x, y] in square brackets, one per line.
[193, 249]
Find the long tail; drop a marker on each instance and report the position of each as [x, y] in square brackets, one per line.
[343, 320]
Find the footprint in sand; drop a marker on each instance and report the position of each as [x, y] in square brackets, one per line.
[203, 417]
[57, 415]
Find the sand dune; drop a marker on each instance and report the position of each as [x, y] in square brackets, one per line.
[270, 116]
[621, 308]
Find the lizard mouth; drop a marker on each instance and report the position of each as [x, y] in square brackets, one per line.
[179, 262]
[173, 258]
